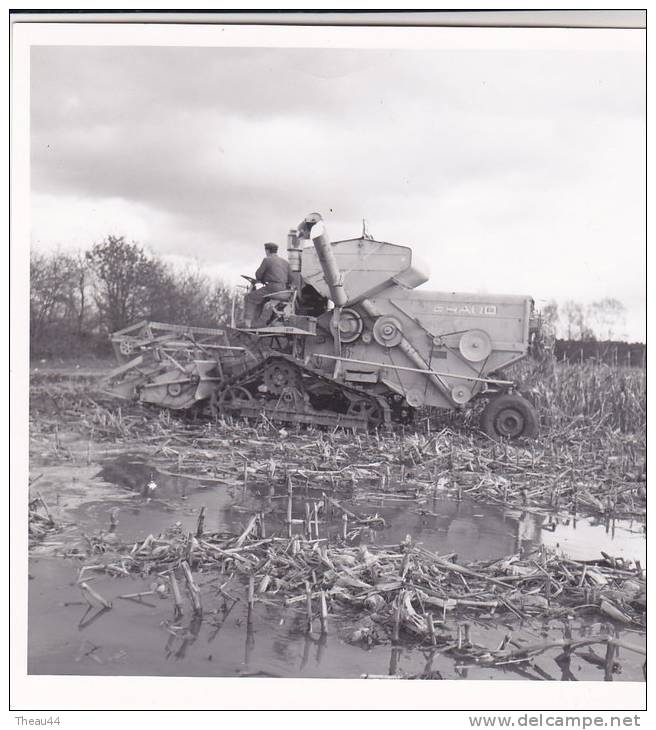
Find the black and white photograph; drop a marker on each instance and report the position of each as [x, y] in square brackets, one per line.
[334, 355]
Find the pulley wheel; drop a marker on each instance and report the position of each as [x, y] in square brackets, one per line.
[174, 389]
[280, 375]
[475, 345]
[387, 331]
[126, 347]
[460, 394]
[350, 325]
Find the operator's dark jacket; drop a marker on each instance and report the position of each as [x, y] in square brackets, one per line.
[276, 275]
[274, 270]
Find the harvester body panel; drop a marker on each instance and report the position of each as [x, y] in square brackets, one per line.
[435, 332]
[365, 267]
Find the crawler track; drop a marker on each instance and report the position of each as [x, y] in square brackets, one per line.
[282, 390]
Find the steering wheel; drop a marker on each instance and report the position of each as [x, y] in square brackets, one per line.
[250, 280]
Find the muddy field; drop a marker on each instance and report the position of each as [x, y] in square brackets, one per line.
[161, 545]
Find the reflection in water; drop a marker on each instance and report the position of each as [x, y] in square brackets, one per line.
[250, 639]
[585, 538]
[90, 615]
[477, 531]
[306, 651]
[226, 612]
[528, 533]
[128, 473]
[394, 660]
[183, 636]
[564, 660]
[542, 673]
[321, 645]
[473, 531]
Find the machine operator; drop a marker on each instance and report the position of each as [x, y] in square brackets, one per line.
[275, 274]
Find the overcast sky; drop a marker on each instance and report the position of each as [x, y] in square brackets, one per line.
[510, 171]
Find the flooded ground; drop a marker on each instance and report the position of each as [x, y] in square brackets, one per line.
[69, 637]
[140, 637]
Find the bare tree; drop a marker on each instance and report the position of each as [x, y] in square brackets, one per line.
[128, 281]
[576, 321]
[81, 285]
[58, 300]
[550, 315]
[607, 317]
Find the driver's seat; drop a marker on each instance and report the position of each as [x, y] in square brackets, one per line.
[281, 296]
[279, 306]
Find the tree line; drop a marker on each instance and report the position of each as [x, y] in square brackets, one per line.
[78, 299]
[591, 332]
[610, 352]
[603, 319]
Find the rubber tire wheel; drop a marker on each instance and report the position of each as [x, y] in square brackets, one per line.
[512, 407]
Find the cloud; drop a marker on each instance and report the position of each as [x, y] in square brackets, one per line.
[515, 171]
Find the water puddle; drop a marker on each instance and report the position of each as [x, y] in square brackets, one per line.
[140, 638]
[471, 530]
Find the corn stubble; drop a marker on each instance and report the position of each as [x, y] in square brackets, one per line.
[588, 459]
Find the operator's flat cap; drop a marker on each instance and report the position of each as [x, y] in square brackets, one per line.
[273, 247]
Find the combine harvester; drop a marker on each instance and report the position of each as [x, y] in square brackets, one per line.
[353, 343]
